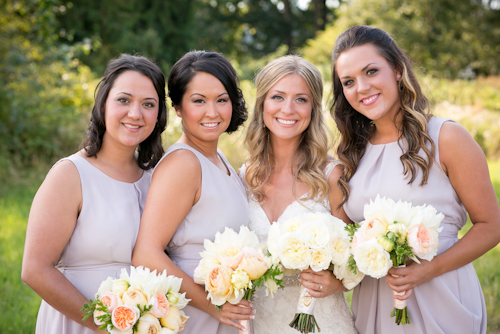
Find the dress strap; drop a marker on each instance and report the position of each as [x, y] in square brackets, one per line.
[330, 167]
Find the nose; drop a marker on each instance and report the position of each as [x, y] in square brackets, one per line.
[211, 110]
[135, 111]
[363, 85]
[287, 107]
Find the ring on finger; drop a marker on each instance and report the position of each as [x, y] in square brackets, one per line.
[320, 287]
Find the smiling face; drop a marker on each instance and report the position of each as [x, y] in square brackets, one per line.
[205, 109]
[369, 83]
[288, 107]
[131, 110]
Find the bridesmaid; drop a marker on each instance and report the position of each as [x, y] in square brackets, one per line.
[85, 217]
[195, 192]
[391, 145]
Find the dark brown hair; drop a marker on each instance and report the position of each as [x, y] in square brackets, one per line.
[215, 64]
[150, 150]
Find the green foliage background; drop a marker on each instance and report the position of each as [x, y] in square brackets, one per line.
[52, 53]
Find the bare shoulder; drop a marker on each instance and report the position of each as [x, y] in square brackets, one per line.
[182, 162]
[64, 178]
[457, 145]
[335, 175]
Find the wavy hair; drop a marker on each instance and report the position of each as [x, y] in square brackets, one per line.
[311, 153]
[215, 64]
[355, 128]
[150, 150]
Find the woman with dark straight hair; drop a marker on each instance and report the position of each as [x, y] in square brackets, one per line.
[85, 217]
[195, 192]
[391, 145]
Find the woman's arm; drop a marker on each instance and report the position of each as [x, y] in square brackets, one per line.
[51, 224]
[329, 283]
[465, 164]
[175, 188]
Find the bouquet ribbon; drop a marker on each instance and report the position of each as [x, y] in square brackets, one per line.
[399, 304]
[306, 302]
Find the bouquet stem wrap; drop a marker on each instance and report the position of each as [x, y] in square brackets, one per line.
[248, 324]
[304, 320]
[400, 311]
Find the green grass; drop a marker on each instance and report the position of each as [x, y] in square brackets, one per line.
[20, 304]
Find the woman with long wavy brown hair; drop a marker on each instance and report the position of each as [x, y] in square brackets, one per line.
[391, 145]
[289, 173]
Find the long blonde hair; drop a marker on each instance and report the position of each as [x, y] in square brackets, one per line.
[311, 153]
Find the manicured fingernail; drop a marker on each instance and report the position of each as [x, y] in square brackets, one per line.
[253, 312]
[252, 317]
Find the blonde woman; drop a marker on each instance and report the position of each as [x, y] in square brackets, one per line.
[289, 173]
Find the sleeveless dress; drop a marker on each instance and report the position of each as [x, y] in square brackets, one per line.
[222, 204]
[275, 313]
[102, 242]
[450, 303]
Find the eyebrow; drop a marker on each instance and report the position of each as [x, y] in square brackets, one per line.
[225, 93]
[364, 68]
[281, 92]
[128, 94]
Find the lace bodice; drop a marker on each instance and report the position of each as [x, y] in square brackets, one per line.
[275, 313]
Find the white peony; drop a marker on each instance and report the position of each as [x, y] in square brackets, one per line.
[372, 259]
[315, 234]
[349, 279]
[105, 287]
[320, 259]
[340, 251]
[293, 252]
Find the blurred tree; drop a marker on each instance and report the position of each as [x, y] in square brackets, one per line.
[448, 38]
[43, 89]
[162, 30]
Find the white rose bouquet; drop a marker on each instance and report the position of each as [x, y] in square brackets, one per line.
[233, 266]
[142, 302]
[391, 233]
[313, 240]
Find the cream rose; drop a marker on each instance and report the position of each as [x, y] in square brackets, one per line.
[133, 297]
[374, 228]
[315, 234]
[400, 230]
[159, 305]
[230, 257]
[119, 287]
[173, 297]
[148, 324]
[423, 241]
[175, 320]
[124, 317]
[218, 284]
[372, 259]
[254, 266]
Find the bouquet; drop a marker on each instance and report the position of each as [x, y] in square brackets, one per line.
[142, 302]
[233, 266]
[391, 233]
[313, 240]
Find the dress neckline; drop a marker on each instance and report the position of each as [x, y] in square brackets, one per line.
[219, 154]
[109, 177]
[286, 208]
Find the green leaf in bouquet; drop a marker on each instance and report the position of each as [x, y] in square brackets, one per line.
[351, 229]
[352, 264]
[96, 304]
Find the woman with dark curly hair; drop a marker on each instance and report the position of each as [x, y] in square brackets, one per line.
[195, 192]
[391, 145]
[85, 217]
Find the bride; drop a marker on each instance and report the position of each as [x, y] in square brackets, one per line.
[289, 173]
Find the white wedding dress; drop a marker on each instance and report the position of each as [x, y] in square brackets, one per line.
[275, 313]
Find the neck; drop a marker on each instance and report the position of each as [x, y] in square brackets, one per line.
[283, 153]
[387, 130]
[119, 156]
[208, 149]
